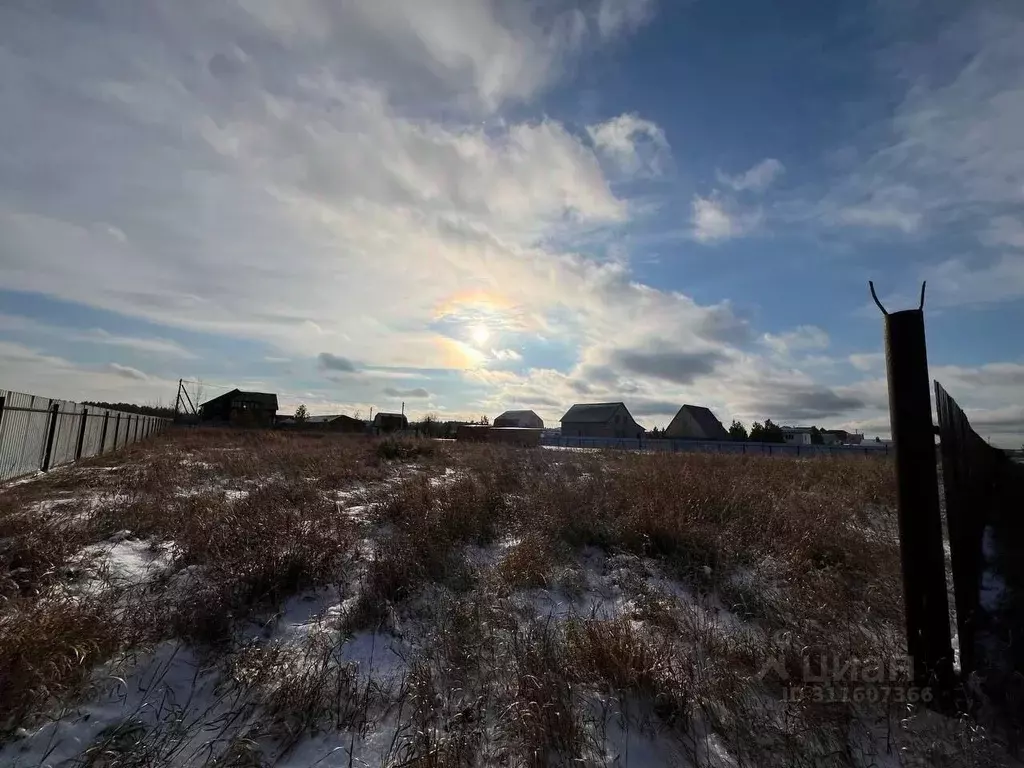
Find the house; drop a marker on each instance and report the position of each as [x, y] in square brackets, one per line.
[600, 420]
[336, 423]
[250, 409]
[695, 422]
[389, 422]
[527, 419]
[796, 435]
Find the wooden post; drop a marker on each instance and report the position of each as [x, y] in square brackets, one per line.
[51, 432]
[917, 497]
[81, 434]
[117, 429]
[103, 435]
[136, 438]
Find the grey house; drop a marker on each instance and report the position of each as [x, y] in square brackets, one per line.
[527, 419]
[600, 420]
[696, 422]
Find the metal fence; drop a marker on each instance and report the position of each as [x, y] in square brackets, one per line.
[39, 433]
[984, 493]
[714, 446]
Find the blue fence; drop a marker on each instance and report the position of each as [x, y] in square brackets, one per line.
[709, 446]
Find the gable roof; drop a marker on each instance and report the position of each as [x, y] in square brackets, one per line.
[267, 399]
[382, 415]
[591, 413]
[517, 415]
[707, 421]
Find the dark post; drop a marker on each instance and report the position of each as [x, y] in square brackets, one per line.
[103, 436]
[2, 401]
[917, 498]
[54, 415]
[81, 434]
[136, 438]
[117, 429]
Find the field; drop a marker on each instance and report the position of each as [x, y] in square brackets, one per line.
[249, 599]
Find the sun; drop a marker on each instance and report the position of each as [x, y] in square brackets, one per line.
[479, 334]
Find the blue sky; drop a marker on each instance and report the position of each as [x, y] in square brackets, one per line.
[471, 205]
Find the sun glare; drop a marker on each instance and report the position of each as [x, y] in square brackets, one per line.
[479, 334]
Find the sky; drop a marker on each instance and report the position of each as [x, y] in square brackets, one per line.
[475, 205]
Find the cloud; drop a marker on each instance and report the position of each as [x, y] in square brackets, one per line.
[801, 338]
[153, 346]
[713, 220]
[617, 16]
[418, 392]
[869, 361]
[636, 147]
[127, 372]
[674, 366]
[329, 362]
[756, 179]
[881, 217]
[506, 355]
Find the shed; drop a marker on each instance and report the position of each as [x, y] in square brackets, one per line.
[336, 423]
[600, 420]
[241, 408]
[389, 422]
[527, 419]
[695, 422]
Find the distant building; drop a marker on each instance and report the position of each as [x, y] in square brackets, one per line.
[840, 437]
[696, 422]
[527, 419]
[336, 423]
[796, 435]
[600, 420]
[250, 409]
[389, 422]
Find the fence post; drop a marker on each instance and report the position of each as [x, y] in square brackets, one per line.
[136, 438]
[103, 435]
[3, 400]
[81, 434]
[50, 433]
[917, 498]
[117, 429]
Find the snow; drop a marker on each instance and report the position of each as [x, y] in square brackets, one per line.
[120, 562]
[169, 685]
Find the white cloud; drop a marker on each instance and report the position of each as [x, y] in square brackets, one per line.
[756, 179]
[616, 16]
[800, 339]
[867, 361]
[880, 217]
[127, 372]
[634, 145]
[714, 219]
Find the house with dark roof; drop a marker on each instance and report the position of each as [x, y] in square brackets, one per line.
[389, 422]
[336, 423]
[600, 420]
[695, 422]
[527, 419]
[245, 409]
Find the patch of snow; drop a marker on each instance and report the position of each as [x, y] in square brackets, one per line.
[121, 562]
[377, 656]
[168, 686]
[235, 495]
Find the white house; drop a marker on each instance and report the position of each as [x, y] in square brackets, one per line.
[796, 435]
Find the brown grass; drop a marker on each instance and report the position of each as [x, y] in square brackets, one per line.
[804, 549]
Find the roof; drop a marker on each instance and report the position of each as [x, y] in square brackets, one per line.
[707, 421]
[517, 414]
[267, 399]
[593, 413]
[380, 415]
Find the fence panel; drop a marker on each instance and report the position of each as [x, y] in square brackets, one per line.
[31, 432]
[984, 493]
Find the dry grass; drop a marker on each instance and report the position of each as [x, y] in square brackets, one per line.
[716, 565]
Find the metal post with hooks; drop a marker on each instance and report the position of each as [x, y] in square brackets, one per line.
[917, 497]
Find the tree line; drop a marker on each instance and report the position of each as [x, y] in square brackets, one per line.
[145, 410]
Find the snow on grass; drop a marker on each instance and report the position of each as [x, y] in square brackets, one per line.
[169, 686]
[118, 562]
